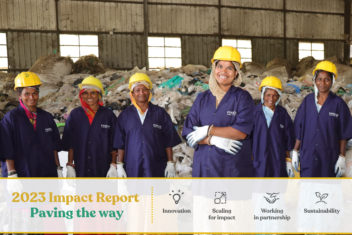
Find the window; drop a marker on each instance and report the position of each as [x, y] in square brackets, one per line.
[164, 52]
[3, 52]
[243, 46]
[315, 49]
[78, 45]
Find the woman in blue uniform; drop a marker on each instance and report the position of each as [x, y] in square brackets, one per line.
[89, 133]
[144, 135]
[30, 138]
[273, 133]
[322, 125]
[221, 120]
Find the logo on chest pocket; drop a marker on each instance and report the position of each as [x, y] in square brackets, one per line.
[231, 113]
[282, 126]
[157, 126]
[48, 129]
[333, 114]
[105, 126]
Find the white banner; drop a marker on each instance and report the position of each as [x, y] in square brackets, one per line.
[160, 205]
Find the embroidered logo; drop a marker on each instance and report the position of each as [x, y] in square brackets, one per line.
[48, 129]
[105, 126]
[156, 126]
[231, 113]
[282, 126]
[333, 114]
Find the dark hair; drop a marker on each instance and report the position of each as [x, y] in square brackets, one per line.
[331, 75]
[20, 89]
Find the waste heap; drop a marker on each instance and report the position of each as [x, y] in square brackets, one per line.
[173, 89]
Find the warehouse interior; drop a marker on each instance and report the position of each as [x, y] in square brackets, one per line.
[270, 28]
[173, 42]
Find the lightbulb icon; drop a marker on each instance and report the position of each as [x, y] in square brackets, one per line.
[176, 196]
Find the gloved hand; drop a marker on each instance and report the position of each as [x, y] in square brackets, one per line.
[289, 169]
[120, 171]
[59, 173]
[340, 166]
[349, 144]
[14, 185]
[199, 134]
[170, 170]
[229, 145]
[112, 171]
[71, 172]
[295, 160]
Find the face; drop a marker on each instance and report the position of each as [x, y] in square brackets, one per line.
[225, 72]
[323, 82]
[30, 97]
[91, 97]
[270, 98]
[141, 94]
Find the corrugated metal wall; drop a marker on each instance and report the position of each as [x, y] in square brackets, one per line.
[252, 22]
[183, 19]
[122, 50]
[25, 48]
[262, 21]
[198, 49]
[28, 14]
[100, 16]
[264, 50]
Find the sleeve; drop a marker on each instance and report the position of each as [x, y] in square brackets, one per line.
[245, 114]
[299, 119]
[345, 122]
[171, 138]
[120, 134]
[68, 135]
[56, 136]
[192, 118]
[290, 139]
[7, 139]
[112, 132]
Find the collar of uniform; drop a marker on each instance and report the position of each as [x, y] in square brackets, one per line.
[151, 107]
[232, 89]
[23, 112]
[311, 95]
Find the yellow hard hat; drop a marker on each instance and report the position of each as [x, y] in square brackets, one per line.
[227, 53]
[92, 81]
[139, 77]
[26, 79]
[272, 82]
[326, 66]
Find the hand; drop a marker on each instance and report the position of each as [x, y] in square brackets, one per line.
[14, 185]
[229, 145]
[71, 172]
[59, 173]
[340, 166]
[120, 171]
[295, 160]
[170, 169]
[199, 134]
[112, 171]
[289, 169]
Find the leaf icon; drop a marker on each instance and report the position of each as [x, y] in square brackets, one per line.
[325, 195]
[318, 194]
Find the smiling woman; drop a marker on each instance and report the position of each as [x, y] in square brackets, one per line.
[38, 157]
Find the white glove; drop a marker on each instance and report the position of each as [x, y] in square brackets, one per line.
[120, 171]
[340, 166]
[170, 170]
[229, 145]
[71, 172]
[199, 134]
[14, 185]
[289, 169]
[59, 173]
[349, 144]
[112, 171]
[295, 160]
